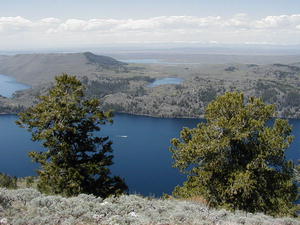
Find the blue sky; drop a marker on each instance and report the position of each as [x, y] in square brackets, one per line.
[80, 23]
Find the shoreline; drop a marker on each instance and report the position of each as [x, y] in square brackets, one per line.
[158, 117]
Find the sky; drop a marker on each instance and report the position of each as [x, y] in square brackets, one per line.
[34, 24]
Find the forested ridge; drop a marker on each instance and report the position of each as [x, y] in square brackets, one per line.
[128, 90]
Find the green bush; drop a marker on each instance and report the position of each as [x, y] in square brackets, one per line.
[7, 181]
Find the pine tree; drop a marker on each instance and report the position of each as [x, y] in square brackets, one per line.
[76, 160]
[236, 159]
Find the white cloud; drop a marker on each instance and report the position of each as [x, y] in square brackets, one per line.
[14, 23]
[50, 20]
[240, 28]
[282, 21]
[73, 25]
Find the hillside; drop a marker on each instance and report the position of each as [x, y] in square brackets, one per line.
[125, 87]
[30, 207]
[34, 69]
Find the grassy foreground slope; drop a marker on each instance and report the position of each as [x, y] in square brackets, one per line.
[30, 207]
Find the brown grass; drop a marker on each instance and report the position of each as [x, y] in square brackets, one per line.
[197, 199]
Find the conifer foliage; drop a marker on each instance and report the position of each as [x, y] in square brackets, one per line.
[76, 160]
[236, 159]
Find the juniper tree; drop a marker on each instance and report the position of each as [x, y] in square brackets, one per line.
[76, 160]
[236, 159]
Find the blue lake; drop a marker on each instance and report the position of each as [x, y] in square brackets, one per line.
[156, 61]
[167, 80]
[9, 85]
[140, 148]
[146, 61]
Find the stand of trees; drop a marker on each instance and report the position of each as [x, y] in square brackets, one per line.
[235, 160]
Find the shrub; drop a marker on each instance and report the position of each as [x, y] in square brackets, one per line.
[7, 181]
[36, 208]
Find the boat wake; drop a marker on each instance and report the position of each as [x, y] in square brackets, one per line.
[122, 136]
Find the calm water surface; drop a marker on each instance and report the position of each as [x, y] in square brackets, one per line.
[156, 61]
[140, 149]
[9, 85]
[167, 80]
[144, 61]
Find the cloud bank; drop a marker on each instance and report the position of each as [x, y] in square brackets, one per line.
[239, 29]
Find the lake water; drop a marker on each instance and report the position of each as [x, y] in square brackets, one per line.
[143, 61]
[156, 61]
[9, 85]
[167, 80]
[140, 148]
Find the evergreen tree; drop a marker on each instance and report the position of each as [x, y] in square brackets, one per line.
[236, 159]
[76, 161]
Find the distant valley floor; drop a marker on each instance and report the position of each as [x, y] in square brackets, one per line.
[125, 87]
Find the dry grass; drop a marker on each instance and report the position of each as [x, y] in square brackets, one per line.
[197, 199]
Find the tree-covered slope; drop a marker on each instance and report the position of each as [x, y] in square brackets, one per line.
[125, 88]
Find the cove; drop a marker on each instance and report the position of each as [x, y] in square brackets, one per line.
[9, 85]
[140, 144]
[167, 80]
